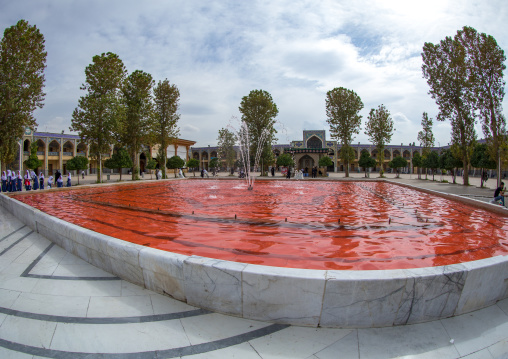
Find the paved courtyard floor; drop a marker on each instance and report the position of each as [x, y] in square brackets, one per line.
[53, 304]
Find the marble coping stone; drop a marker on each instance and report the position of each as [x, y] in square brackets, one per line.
[326, 298]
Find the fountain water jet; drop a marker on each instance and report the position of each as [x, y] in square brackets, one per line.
[243, 138]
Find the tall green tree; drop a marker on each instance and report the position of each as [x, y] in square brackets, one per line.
[486, 62]
[134, 126]
[77, 163]
[164, 125]
[366, 161]
[96, 117]
[226, 144]
[481, 158]
[452, 86]
[120, 159]
[22, 64]
[259, 112]
[342, 109]
[426, 137]
[380, 130]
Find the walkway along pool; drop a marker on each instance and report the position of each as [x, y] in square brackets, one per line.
[328, 253]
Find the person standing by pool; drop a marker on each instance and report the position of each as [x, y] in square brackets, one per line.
[35, 183]
[50, 181]
[13, 181]
[20, 181]
[27, 181]
[59, 182]
[69, 180]
[41, 180]
[9, 184]
[57, 175]
[4, 182]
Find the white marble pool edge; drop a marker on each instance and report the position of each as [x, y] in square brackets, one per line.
[325, 298]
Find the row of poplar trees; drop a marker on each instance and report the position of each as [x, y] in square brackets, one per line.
[465, 75]
[127, 110]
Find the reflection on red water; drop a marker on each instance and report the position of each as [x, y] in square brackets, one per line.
[330, 225]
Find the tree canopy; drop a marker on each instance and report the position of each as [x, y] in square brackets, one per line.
[120, 159]
[380, 130]
[151, 163]
[192, 163]
[397, 163]
[164, 126]
[33, 162]
[342, 109]
[366, 161]
[431, 161]
[98, 111]
[22, 64]
[259, 112]
[175, 162]
[481, 158]
[325, 161]
[77, 163]
[285, 160]
[449, 162]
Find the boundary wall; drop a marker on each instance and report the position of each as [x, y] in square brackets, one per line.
[325, 298]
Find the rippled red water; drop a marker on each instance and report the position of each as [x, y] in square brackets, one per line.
[382, 225]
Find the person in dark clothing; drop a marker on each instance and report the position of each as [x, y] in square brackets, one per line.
[499, 193]
[273, 171]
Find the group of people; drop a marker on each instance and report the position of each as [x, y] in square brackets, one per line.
[12, 182]
[158, 174]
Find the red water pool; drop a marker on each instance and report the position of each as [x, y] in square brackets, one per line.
[311, 224]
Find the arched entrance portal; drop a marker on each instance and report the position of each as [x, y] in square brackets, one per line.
[306, 162]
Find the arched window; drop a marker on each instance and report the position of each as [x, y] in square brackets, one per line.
[54, 147]
[68, 148]
[41, 147]
[26, 146]
[314, 142]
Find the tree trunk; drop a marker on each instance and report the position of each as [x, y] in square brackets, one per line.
[466, 172]
[99, 168]
[347, 169]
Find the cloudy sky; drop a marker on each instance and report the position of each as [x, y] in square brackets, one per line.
[216, 52]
